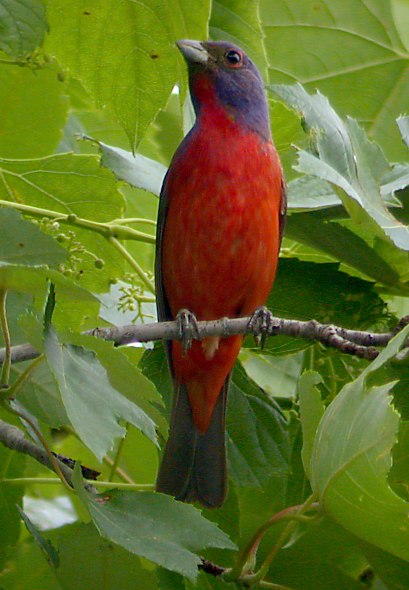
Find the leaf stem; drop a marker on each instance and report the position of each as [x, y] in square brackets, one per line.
[131, 260]
[288, 530]
[106, 229]
[41, 438]
[5, 371]
[98, 484]
[117, 457]
[19, 382]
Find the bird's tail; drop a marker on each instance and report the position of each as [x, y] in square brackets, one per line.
[194, 465]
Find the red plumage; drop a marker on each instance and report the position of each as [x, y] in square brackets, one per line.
[218, 246]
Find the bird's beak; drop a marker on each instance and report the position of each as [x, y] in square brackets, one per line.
[193, 52]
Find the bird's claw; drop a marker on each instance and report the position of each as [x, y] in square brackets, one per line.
[261, 323]
[188, 328]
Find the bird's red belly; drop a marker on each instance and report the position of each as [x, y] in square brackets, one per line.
[220, 251]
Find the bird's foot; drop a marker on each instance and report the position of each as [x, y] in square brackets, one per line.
[262, 324]
[188, 328]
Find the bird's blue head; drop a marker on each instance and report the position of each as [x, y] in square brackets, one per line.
[232, 77]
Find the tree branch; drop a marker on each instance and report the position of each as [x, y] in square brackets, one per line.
[354, 342]
[13, 438]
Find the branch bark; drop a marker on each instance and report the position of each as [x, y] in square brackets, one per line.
[355, 342]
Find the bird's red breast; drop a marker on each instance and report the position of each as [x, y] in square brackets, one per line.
[221, 239]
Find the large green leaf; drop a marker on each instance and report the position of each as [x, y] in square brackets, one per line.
[347, 159]
[154, 526]
[368, 79]
[122, 52]
[352, 456]
[33, 109]
[22, 243]
[92, 404]
[23, 26]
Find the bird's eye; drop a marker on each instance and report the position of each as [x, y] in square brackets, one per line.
[233, 58]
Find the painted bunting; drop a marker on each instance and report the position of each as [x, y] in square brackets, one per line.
[220, 221]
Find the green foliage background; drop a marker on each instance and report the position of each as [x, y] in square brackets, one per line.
[88, 124]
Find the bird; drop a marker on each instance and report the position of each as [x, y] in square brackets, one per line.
[220, 222]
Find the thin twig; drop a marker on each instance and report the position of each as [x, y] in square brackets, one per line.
[355, 342]
[5, 372]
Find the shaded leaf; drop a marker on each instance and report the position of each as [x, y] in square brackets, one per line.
[11, 465]
[341, 244]
[311, 411]
[394, 572]
[262, 447]
[22, 242]
[352, 457]
[45, 545]
[306, 290]
[23, 26]
[92, 404]
[87, 561]
[154, 526]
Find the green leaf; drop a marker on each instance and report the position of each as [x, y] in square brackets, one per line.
[124, 376]
[87, 561]
[367, 79]
[306, 290]
[394, 572]
[311, 411]
[310, 192]
[75, 305]
[403, 124]
[276, 375]
[22, 243]
[11, 466]
[326, 556]
[154, 526]
[122, 52]
[238, 21]
[33, 110]
[41, 396]
[71, 184]
[138, 171]
[92, 404]
[262, 448]
[23, 26]
[341, 244]
[45, 545]
[67, 183]
[346, 158]
[352, 456]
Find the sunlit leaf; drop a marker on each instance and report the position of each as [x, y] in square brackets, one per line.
[352, 456]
